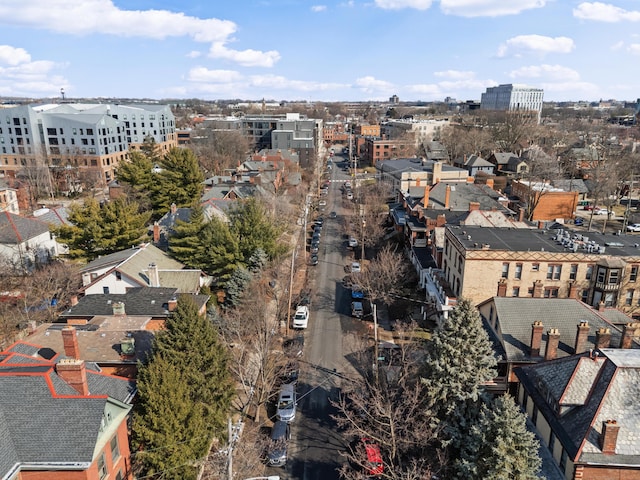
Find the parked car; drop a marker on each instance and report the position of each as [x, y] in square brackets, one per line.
[333, 215]
[355, 267]
[319, 221]
[286, 408]
[374, 459]
[357, 309]
[301, 317]
[322, 203]
[634, 227]
[353, 242]
[313, 260]
[356, 292]
[579, 221]
[277, 449]
[315, 247]
[600, 211]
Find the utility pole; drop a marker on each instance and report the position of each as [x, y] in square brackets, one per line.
[375, 339]
[293, 262]
[230, 455]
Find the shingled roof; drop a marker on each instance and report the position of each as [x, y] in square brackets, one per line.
[577, 394]
[15, 229]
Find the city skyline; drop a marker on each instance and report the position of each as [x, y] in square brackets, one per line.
[419, 50]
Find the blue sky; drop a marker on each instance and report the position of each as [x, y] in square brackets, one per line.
[318, 50]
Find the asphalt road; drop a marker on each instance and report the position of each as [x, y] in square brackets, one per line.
[316, 446]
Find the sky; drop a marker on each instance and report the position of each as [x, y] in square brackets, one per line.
[344, 50]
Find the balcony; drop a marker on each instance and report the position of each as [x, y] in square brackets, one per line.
[607, 287]
[438, 291]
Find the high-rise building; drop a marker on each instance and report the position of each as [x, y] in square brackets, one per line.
[91, 139]
[513, 98]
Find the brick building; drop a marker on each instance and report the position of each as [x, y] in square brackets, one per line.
[545, 202]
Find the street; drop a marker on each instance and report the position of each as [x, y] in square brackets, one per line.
[316, 445]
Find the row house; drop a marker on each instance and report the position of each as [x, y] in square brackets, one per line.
[480, 263]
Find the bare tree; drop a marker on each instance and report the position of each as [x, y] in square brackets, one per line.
[383, 275]
[541, 169]
[219, 150]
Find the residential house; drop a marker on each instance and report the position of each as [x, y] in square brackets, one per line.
[584, 408]
[435, 151]
[61, 417]
[143, 266]
[54, 217]
[474, 164]
[25, 242]
[530, 330]
[114, 331]
[543, 201]
[501, 160]
[405, 173]
[162, 229]
[480, 263]
[572, 185]
[8, 199]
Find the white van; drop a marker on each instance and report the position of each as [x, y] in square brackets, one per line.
[286, 408]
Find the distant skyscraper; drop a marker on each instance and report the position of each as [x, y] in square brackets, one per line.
[513, 98]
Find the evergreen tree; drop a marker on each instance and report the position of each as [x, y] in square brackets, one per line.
[253, 229]
[221, 251]
[99, 230]
[499, 446]
[236, 286]
[169, 429]
[179, 181]
[185, 243]
[137, 174]
[460, 359]
[191, 343]
[257, 261]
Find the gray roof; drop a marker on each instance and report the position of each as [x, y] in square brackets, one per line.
[147, 301]
[576, 394]
[44, 420]
[397, 166]
[55, 216]
[571, 185]
[476, 161]
[461, 194]
[516, 315]
[502, 158]
[15, 229]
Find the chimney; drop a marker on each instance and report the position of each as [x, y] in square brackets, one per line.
[437, 172]
[441, 220]
[174, 208]
[573, 290]
[154, 276]
[536, 338]
[553, 338]
[537, 289]
[73, 300]
[581, 337]
[118, 309]
[425, 200]
[70, 342]
[521, 214]
[628, 332]
[447, 195]
[74, 372]
[502, 288]
[474, 206]
[490, 183]
[601, 307]
[540, 225]
[156, 232]
[603, 337]
[609, 436]
[172, 304]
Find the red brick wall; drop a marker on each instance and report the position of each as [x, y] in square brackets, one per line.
[593, 473]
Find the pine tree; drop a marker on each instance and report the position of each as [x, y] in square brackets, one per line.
[221, 251]
[137, 174]
[83, 234]
[257, 261]
[251, 225]
[236, 286]
[185, 243]
[499, 446]
[179, 181]
[169, 429]
[123, 226]
[458, 361]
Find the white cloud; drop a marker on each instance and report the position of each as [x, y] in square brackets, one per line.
[202, 74]
[278, 82]
[634, 48]
[103, 17]
[318, 8]
[194, 54]
[605, 12]
[13, 56]
[454, 74]
[400, 4]
[246, 58]
[535, 43]
[488, 8]
[547, 72]
[617, 46]
[372, 86]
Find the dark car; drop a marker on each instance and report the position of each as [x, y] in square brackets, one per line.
[315, 247]
[319, 221]
[578, 221]
[333, 215]
[313, 260]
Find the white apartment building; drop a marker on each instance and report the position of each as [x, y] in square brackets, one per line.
[513, 97]
[422, 130]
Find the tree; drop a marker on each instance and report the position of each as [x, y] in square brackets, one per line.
[99, 230]
[185, 393]
[541, 169]
[383, 275]
[185, 243]
[236, 286]
[179, 181]
[253, 228]
[458, 361]
[499, 446]
[137, 175]
[221, 150]
[221, 249]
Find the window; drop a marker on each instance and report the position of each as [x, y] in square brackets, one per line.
[535, 267]
[105, 290]
[614, 275]
[602, 273]
[573, 273]
[115, 449]
[118, 275]
[585, 295]
[102, 467]
[530, 292]
[518, 273]
[553, 272]
[628, 300]
[633, 275]
[515, 292]
[589, 272]
[505, 270]
[550, 293]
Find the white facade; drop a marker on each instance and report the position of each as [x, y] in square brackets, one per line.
[422, 130]
[38, 249]
[511, 97]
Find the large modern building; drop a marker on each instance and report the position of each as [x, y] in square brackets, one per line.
[513, 98]
[91, 139]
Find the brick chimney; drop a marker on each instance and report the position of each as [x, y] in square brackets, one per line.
[521, 214]
[573, 290]
[609, 436]
[70, 342]
[628, 332]
[437, 172]
[581, 337]
[474, 206]
[425, 200]
[553, 339]
[540, 225]
[601, 307]
[537, 289]
[73, 300]
[441, 220]
[490, 183]
[536, 338]
[502, 288]
[447, 196]
[74, 372]
[156, 232]
[154, 277]
[172, 304]
[603, 337]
